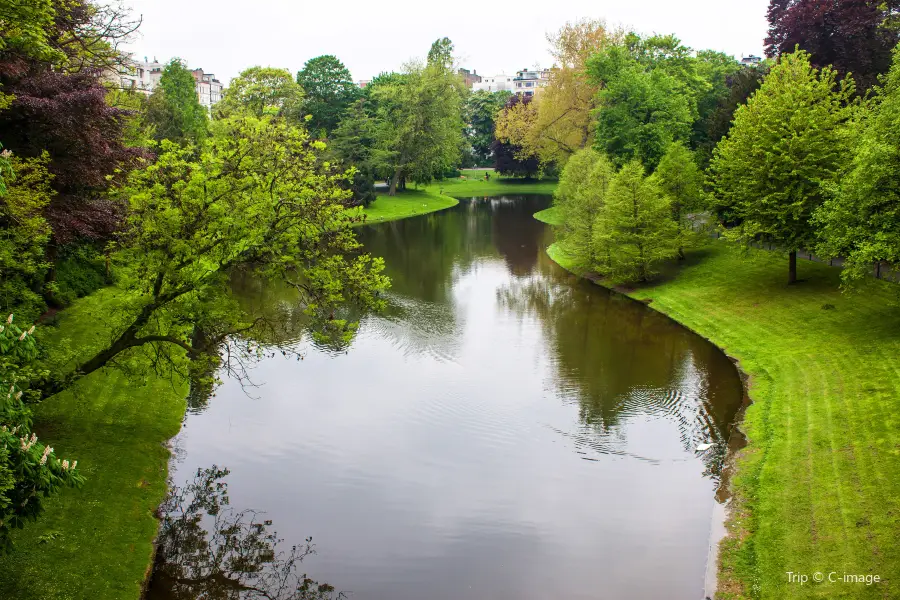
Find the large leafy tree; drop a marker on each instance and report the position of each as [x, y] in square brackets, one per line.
[861, 218]
[635, 230]
[642, 109]
[481, 111]
[714, 124]
[262, 91]
[329, 91]
[419, 123]
[559, 122]
[259, 196]
[174, 110]
[853, 36]
[787, 143]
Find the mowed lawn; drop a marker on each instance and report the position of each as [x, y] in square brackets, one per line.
[445, 193]
[96, 542]
[817, 490]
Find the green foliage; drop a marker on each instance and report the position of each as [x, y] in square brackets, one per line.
[787, 143]
[29, 471]
[635, 230]
[480, 112]
[579, 200]
[642, 107]
[441, 54]
[258, 194]
[351, 144]
[419, 127]
[260, 91]
[861, 218]
[681, 182]
[174, 110]
[329, 90]
[718, 70]
[25, 234]
[80, 270]
[25, 27]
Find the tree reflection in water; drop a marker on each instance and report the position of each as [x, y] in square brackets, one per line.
[208, 550]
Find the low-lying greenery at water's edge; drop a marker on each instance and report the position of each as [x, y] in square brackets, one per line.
[96, 542]
[444, 194]
[818, 487]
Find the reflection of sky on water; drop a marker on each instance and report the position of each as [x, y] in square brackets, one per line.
[502, 432]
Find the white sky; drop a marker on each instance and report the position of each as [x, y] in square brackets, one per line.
[224, 37]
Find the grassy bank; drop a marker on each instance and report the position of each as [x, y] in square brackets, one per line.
[96, 542]
[818, 487]
[444, 194]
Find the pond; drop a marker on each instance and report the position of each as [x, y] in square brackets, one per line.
[504, 430]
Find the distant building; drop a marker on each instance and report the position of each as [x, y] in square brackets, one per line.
[141, 76]
[751, 61]
[363, 83]
[209, 89]
[529, 82]
[469, 78]
[495, 83]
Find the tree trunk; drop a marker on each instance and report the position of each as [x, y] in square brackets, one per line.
[395, 179]
[792, 267]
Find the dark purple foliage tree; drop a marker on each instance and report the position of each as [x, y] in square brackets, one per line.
[855, 36]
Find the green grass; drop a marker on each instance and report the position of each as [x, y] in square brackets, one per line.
[96, 542]
[549, 216]
[444, 194]
[818, 487]
[476, 186]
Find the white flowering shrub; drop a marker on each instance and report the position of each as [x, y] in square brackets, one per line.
[29, 470]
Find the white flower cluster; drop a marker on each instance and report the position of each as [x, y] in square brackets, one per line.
[27, 442]
[66, 466]
[47, 451]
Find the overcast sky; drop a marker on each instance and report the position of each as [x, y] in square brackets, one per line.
[224, 37]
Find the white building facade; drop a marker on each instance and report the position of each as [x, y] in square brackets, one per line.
[529, 82]
[495, 83]
[143, 76]
[209, 89]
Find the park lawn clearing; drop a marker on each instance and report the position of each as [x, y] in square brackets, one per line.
[96, 542]
[817, 490]
[445, 194]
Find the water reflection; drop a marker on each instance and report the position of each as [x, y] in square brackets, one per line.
[503, 431]
[206, 549]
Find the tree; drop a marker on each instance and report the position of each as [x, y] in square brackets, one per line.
[441, 54]
[635, 229]
[262, 91]
[681, 182]
[853, 36]
[419, 127]
[67, 116]
[719, 71]
[560, 121]
[787, 142]
[26, 233]
[29, 470]
[481, 111]
[641, 110]
[257, 196]
[352, 145]
[329, 91]
[710, 129]
[174, 110]
[860, 218]
[580, 198]
[510, 159]
[238, 558]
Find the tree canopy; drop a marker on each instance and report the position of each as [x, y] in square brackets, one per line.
[173, 110]
[329, 90]
[262, 91]
[787, 142]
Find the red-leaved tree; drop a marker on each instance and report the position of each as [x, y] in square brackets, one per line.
[854, 36]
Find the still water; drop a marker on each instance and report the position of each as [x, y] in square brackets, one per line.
[504, 431]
